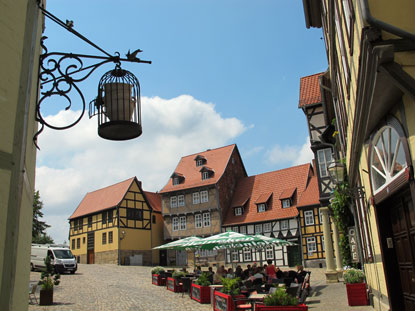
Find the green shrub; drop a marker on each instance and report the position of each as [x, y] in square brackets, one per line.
[178, 274]
[49, 278]
[203, 279]
[353, 276]
[157, 270]
[280, 298]
[230, 286]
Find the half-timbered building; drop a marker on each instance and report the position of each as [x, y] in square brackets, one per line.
[267, 204]
[197, 196]
[117, 224]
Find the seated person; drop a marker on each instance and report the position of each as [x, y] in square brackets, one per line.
[210, 274]
[198, 270]
[238, 272]
[299, 278]
[230, 274]
[245, 274]
[279, 273]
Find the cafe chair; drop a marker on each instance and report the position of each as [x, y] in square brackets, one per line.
[32, 293]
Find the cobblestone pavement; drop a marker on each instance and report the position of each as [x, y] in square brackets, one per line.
[125, 288]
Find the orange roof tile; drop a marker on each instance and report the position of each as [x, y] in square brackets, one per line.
[102, 199]
[263, 184]
[263, 198]
[310, 90]
[216, 160]
[311, 195]
[287, 193]
[154, 199]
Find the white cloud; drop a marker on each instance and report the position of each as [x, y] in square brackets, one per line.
[290, 155]
[76, 161]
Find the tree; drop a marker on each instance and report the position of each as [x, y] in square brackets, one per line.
[38, 228]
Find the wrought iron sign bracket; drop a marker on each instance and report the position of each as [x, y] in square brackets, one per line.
[59, 73]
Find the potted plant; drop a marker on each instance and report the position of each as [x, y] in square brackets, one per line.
[158, 276]
[223, 298]
[355, 287]
[200, 288]
[280, 300]
[173, 283]
[48, 279]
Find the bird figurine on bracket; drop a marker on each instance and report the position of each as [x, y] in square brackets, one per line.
[133, 56]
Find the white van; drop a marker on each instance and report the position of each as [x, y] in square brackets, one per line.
[61, 257]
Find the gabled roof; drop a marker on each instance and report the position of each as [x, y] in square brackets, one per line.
[311, 195]
[109, 197]
[310, 90]
[261, 186]
[216, 160]
[263, 197]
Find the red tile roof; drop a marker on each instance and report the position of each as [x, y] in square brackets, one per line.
[263, 198]
[216, 161]
[310, 90]
[311, 195]
[287, 193]
[275, 182]
[108, 197]
[154, 199]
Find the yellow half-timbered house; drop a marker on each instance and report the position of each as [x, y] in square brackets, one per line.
[118, 224]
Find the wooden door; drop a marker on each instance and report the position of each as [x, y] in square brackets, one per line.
[90, 248]
[396, 217]
[90, 256]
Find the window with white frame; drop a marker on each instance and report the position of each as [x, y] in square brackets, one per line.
[258, 228]
[238, 211]
[182, 222]
[269, 252]
[324, 159]
[199, 162]
[323, 247]
[176, 181]
[284, 225]
[206, 219]
[311, 245]
[175, 223]
[180, 200]
[247, 255]
[235, 229]
[242, 229]
[286, 203]
[196, 198]
[235, 256]
[205, 175]
[261, 207]
[320, 216]
[207, 253]
[204, 196]
[228, 229]
[309, 218]
[173, 201]
[198, 221]
[267, 227]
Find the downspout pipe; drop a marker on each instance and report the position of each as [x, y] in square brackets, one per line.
[367, 16]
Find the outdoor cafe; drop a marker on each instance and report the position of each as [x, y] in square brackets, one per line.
[254, 287]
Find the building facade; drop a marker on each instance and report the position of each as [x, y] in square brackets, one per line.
[267, 204]
[371, 52]
[20, 34]
[119, 224]
[197, 196]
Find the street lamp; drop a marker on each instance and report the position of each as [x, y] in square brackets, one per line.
[337, 172]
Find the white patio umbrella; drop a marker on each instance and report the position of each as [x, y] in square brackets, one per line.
[179, 244]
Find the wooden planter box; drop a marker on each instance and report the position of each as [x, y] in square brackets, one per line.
[174, 286]
[200, 293]
[224, 302]
[158, 280]
[357, 294]
[261, 307]
[46, 297]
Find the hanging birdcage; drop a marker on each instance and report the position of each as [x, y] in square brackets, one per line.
[118, 105]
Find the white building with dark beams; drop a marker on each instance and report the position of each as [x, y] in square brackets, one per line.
[267, 204]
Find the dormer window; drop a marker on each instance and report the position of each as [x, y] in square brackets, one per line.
[239, 211]
[262, 207]
[200, 160]
[177, 178]
[286, 203]
[206, 172]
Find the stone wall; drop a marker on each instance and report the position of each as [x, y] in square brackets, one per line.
[106, 257]
[127, 254]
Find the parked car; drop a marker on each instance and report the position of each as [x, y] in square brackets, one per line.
[61, 257]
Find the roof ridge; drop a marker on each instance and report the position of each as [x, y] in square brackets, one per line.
[315, 74]
[197, 153]
[280, 170]
[111, 185]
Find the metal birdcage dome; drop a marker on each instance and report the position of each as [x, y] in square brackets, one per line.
[118, 105]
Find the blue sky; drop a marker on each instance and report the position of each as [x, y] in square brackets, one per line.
[223, 72]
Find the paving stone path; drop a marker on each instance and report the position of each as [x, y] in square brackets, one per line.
[128, 288]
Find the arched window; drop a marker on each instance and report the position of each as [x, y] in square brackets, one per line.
[388, 160]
